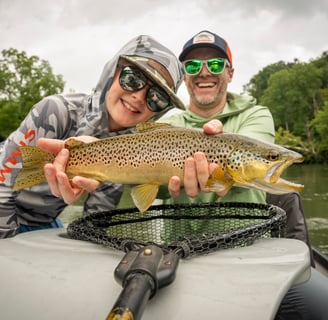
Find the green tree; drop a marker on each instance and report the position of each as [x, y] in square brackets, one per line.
[293, 97]
[23, 82]
[258, 83]
[322, 63]
[296, 93]
[320, 126]
[290, 141]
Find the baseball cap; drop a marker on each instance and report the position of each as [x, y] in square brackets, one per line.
[158, 74]
[206, 39]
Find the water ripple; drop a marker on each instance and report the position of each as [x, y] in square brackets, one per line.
[317, 223]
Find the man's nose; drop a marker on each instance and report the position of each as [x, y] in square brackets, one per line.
[204, 71]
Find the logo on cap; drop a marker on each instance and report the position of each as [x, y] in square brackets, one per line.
[205, 37]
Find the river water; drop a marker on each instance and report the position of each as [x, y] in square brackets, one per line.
[314, 200]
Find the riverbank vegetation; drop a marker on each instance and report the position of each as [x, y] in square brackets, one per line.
[296, 93]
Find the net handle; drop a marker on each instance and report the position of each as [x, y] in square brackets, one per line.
[142, 274]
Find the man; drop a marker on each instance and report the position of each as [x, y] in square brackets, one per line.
[208, 66]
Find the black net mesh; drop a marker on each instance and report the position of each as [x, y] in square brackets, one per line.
[187, 229]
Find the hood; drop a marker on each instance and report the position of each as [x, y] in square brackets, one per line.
[140, 46]
[146, 47]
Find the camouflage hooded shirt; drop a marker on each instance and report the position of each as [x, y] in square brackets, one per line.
[61, 117]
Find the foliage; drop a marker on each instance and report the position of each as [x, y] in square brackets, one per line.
[293, 96]
[259, 82]
[320, 126]
[23, 82]
[296, 94]
[290, 141]
[322, 63]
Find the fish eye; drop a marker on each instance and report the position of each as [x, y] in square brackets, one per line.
[273, 156]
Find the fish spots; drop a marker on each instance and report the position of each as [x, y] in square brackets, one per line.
[235, 159]
[167, 149]
[152, 157]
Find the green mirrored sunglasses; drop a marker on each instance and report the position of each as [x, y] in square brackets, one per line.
[216, 65]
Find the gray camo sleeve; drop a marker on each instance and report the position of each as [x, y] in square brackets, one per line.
[48, 118]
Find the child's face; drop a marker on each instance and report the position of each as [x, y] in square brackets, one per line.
[126, 108]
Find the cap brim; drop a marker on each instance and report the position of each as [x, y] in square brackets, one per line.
[201, 45]
[144, 67]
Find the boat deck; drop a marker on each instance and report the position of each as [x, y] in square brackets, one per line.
[52, 277]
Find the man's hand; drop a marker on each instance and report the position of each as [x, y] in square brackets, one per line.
[213, 127]
[197, 169]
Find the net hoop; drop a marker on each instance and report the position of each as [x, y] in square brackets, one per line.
[186, 229]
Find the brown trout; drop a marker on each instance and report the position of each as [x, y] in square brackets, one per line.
[157, 151]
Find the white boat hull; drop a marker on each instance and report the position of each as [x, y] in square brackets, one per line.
[47, 276]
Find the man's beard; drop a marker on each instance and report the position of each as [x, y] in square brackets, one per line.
[208, 102]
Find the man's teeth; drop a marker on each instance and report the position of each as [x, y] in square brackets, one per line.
[206, 85]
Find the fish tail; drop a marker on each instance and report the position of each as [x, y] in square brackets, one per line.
[33, 161]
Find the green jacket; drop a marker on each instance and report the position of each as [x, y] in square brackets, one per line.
[240, 115]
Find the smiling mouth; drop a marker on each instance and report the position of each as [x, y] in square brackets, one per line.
[129, 107]
[205, 85]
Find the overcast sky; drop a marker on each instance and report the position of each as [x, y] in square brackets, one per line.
[78, 37]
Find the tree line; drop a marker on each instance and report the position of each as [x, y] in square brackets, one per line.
[295, 92]
[24, 81]
[297, 95]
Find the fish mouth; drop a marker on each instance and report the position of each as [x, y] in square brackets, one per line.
[273, 183]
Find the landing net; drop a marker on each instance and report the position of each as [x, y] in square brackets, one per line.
[187, 229]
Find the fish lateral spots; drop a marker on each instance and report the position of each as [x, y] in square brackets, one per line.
[152, 155]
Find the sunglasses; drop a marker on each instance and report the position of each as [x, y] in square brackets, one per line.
[132, 79]
[215, 65]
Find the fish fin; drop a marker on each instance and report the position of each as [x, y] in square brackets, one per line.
[73, 142]
[150, 126]
[33, 161]
[143, 195]
[219, 181]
